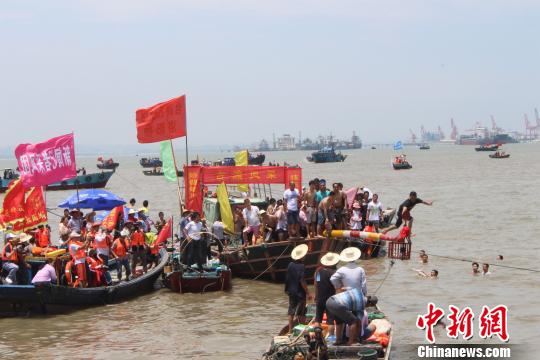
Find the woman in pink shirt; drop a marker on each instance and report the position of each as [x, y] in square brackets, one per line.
[47, 274]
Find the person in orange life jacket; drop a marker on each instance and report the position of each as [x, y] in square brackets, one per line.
[138, 248]
[102, 245]
[43, 236]
[119, 249]
[10, 258]
[99, 269]
[77, 250]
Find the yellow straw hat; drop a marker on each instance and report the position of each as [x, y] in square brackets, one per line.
[330, 259]
[350, 254]
[299, 252]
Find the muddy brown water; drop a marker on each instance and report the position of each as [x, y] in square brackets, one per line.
[483, 207]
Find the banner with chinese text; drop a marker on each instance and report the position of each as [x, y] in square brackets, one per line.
[35, 211]
[163, 121]
[13, 205]
[193, 187]
[47, 162]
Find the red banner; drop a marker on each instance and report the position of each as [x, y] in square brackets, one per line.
[47, 162]
[163, 121]
[35, 210]
[249, 174]
[294, 175]
[112, 218]
[13, 207]
[193, 185]
[164, 234]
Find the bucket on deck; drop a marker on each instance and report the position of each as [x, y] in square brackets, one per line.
[399, 250]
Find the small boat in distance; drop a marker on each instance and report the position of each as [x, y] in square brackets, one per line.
[7, 176]
[499, 155]
[326, 155]
[108, 164]
[151, 162]
[183, 279]
[424, 146]
[401, 163]
[487, 147]
[159, 172]
[257, 159]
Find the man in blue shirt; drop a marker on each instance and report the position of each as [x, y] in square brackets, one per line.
[347, 307]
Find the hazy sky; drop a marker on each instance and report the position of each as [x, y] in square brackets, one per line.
[250, 68]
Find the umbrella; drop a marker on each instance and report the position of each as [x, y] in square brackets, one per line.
[96, 199]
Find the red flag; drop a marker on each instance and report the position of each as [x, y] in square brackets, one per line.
[13, 207]
[163, 121]
[165, 233]
[110, 220]
[35, 211]
[47, 162]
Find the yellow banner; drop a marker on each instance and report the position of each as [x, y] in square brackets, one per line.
[225, 208]
[241, 158]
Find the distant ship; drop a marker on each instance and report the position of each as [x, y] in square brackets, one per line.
[326, 155]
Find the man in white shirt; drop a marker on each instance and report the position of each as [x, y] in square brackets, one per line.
[194, 247]
[252, 221]
[374, 212]
[291, 197]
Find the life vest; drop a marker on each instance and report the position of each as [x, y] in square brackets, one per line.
[77, 253]
[68, 273]
[93, 264]
[13, 257]
[103, 243]
[120, 249]
[137, 239]
[43, 239]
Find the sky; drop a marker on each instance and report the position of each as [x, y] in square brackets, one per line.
[253, 68]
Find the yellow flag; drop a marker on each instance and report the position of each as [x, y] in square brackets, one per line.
[241, 159]
[225, 208]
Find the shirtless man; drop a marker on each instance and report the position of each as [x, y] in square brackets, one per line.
[269, 225]
[309, 198]
[323, 222]
[337, 207]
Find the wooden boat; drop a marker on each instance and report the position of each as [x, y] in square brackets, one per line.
[66, 296]
[326, 155]
[488, 147]
[106, 164]
[88, 181]
[364, 350]
[499, 155]
[184, 280]
[257, 159]
[159, 172]
[150, 162]
[403, 165]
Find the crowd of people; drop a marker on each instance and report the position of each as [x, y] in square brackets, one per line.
[90, 244]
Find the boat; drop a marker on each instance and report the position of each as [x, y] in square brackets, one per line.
[257, 159]
[401, 163]
[424, 147]
[185, 280]
[285, 344]
[159, 172]
[8, 176]
[106, 164]
[499, 155]
[150, 162]
[87, 181]
[487, 147]
[52, 295]
[326, 155]
[373, 148]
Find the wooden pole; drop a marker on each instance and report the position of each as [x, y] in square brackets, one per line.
[177, 179]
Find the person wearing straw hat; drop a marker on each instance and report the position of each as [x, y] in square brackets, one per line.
[324, 288]
[351, 275]
[10, 258]
[296, 286]
[76, 221]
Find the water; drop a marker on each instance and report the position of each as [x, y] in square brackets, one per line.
[483, 207]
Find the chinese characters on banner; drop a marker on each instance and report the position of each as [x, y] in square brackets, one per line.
[109, 222]
[163, 121]
[492, 321]
[35, 210]
[47, 162]
[13, 206]
[196, 176]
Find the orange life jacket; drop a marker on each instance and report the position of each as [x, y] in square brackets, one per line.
[13, 257]
[78, 254]
[137, 239]
[43, 238]
[120, 249]
[101, 244]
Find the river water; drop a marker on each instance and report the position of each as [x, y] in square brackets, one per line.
[482, 207]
